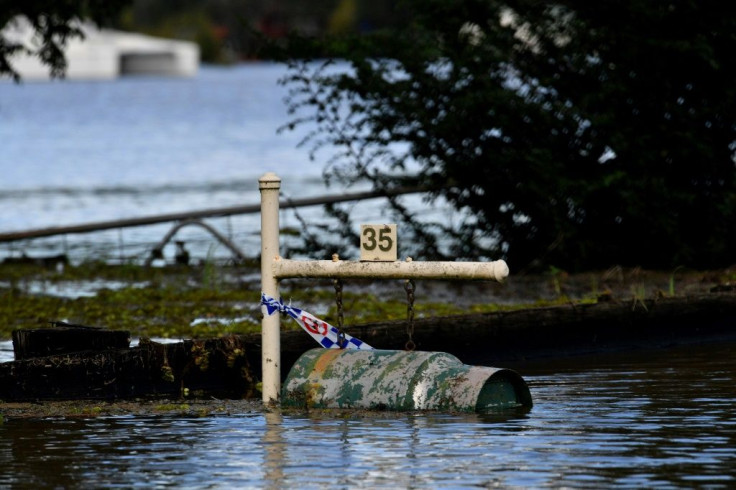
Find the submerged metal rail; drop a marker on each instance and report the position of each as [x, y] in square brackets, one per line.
[206, 213]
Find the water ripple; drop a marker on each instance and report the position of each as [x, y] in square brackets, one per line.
[587, 429]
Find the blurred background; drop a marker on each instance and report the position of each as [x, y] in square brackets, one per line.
[93, 148]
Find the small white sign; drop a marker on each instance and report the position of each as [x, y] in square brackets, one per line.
[378, 243]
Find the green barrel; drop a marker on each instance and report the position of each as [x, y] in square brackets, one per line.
[399, 380]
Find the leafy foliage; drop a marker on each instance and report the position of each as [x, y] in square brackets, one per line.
[571, 133]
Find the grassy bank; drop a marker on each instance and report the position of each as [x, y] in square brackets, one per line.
[210, 300]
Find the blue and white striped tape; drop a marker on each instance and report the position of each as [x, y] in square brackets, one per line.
[325, 334]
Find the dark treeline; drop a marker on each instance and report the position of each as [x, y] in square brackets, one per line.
[226, 30]
[575, 134]
[231, 30]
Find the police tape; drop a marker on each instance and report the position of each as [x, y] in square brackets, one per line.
[325, 334]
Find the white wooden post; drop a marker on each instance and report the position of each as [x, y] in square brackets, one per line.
[273, 268]
[269, 185]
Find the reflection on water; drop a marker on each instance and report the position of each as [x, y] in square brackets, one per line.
[662, 419]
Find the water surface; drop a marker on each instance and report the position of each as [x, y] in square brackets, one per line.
[660, 419]
[75, 152]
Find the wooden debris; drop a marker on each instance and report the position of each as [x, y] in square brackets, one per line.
[64, 338]
[198, 368]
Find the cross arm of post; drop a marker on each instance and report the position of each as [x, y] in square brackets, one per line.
[345, 269]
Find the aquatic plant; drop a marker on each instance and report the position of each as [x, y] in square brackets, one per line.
[211, 300]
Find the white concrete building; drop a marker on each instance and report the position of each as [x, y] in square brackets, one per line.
[107, 54]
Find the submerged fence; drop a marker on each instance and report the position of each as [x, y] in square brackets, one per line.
[19, 241]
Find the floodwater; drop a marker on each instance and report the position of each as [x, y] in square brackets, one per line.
[659, 419]
[78, 152]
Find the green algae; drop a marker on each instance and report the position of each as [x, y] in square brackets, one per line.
[178, 302]
[211, 300]
[149, 302]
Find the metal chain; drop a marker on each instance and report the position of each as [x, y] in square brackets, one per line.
[340, 315]
[410, 287]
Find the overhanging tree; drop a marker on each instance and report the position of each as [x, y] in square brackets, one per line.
[574, 134]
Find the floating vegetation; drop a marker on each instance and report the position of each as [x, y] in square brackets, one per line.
[149, 302]
[212, 300]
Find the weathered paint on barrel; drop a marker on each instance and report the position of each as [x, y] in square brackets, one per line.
[399, 380]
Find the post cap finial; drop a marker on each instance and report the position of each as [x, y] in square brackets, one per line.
[269, 180]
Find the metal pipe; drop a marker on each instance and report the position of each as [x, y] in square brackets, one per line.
[269, 185]
[206, 213]
[222, 238]
[482, 271]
